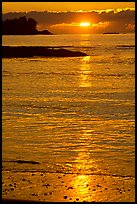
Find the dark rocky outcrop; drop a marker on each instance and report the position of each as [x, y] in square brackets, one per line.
[44, 32]
[22, 26]
[24, 51]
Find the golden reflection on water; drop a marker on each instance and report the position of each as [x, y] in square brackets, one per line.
[84, 165]
[81, 183]
[85, 71]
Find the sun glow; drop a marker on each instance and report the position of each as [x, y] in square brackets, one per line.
[85, 24]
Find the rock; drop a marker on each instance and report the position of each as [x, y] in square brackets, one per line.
[30, 51]
[44, 32]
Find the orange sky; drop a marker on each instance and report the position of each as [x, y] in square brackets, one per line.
[62, 6]
[98, 16]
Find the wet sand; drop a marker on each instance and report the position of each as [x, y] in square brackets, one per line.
[60, 187]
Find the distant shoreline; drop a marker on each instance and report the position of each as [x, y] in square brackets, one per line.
[110, 33]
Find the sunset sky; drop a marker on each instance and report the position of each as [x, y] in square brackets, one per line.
[62, 6]
[76, 17]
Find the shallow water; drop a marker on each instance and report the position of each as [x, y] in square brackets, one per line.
[71, 115]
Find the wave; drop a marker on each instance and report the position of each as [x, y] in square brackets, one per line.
[76, 73]
[67, 172]
[125, 46]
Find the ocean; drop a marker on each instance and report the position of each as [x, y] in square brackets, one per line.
[70, 114]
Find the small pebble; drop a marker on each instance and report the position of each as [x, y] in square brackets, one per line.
[65, 197]
[70, 187]
[46, 185]
[98, 185]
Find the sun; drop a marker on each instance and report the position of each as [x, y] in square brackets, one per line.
[85, 24]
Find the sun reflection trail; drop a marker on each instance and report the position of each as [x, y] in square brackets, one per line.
[85, 72]
[85, 166]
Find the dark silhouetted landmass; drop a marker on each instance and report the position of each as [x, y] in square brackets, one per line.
[31, 51]
[110, 33]
[22, 26]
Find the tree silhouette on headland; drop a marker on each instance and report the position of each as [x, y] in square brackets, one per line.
[21, 26]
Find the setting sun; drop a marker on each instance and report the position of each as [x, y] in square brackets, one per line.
[85, 24]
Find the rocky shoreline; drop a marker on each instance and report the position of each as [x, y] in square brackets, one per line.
[31, 51]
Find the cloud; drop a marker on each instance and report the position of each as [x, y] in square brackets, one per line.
[119, 20]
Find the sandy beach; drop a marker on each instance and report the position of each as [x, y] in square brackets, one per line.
[60, 187]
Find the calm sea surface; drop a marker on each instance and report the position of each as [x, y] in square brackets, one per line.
[72, 115]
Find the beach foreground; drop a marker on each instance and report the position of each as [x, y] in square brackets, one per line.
[61, 187]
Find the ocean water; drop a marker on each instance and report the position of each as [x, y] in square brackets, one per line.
[72, 114]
